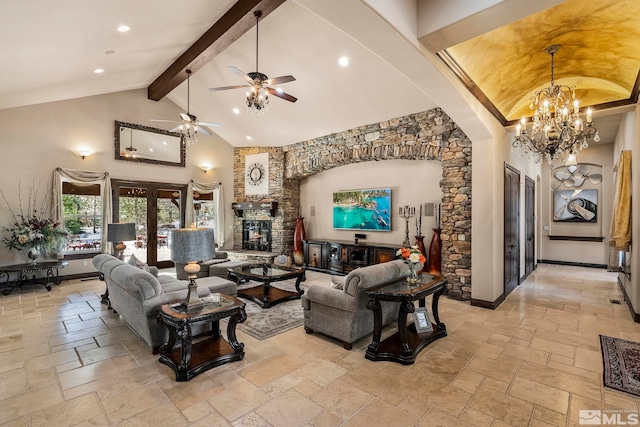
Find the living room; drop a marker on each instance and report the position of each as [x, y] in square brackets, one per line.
[46, 134]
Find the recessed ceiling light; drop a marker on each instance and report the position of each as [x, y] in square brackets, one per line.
[109, 52]
[98, 71]
[164, 142]
[344, 61]
[123, 28]
[249, 138]
[236, 110]
[151, 150]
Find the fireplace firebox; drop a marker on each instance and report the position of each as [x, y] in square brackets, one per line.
[256, 235]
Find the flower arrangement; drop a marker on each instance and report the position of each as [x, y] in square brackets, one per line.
[411, 255]
[33, 228]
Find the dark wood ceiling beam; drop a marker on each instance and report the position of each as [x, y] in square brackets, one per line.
[233, 24]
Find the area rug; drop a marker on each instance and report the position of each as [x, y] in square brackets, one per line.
[621, 364]
[263, 323]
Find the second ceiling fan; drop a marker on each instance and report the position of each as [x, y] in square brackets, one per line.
[258, 96]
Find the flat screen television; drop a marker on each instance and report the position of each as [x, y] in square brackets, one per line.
[362, 209]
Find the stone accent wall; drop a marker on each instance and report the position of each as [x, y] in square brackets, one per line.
[426, 135]
[285, 192]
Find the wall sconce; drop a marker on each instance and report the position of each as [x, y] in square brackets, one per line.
[205, 168]
[83, 152]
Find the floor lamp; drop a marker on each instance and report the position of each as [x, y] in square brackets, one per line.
[117, 234]
[190, 245]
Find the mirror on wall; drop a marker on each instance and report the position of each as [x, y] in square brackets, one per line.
[138, 143]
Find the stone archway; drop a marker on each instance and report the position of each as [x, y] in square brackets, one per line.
[426, 135]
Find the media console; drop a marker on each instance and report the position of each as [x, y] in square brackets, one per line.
[339, 256]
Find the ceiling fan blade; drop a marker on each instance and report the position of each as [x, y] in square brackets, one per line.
[282, 95]
[213, 89]
[203, 129]
[161, 120]
[176, 129]
[212, 124]
[241, 73]
[280, 80]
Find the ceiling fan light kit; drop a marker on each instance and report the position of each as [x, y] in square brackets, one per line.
[190, 125]
[257, 97]
[557, 131]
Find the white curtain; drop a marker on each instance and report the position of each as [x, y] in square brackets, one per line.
[218, 202]
[86, 177]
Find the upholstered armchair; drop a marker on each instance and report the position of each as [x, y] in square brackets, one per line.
[340, 310]
[221, 256]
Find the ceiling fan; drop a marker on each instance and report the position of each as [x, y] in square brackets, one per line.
[257, 97]
[190, 125]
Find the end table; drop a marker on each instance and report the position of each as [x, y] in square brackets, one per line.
[190, 359]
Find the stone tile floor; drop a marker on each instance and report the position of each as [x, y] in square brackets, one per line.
[535, 361]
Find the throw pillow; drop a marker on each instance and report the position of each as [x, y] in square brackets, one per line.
[133, 260]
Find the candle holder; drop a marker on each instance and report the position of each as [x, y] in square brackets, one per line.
[406, 213]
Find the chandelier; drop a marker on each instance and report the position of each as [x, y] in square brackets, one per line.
[257, 100]
[188, 128]
[557, 131]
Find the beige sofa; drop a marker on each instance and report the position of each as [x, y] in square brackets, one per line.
[340, 311]
[136, 295]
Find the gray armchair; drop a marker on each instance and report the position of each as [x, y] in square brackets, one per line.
[221, 256]
[340, 311]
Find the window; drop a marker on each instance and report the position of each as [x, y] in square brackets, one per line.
[204, 210]
[82, 213]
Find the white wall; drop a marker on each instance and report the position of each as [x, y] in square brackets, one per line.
[39, 138]
[581, 252]
[412, 182]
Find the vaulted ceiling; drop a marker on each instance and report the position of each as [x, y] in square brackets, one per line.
[49, 54]
[599, 55]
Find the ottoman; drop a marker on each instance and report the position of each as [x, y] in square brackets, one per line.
[220, 269]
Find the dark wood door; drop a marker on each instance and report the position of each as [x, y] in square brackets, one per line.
[511, 228]
[529, 225]
[155, 208]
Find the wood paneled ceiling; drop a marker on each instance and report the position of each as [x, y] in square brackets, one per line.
[599, 54]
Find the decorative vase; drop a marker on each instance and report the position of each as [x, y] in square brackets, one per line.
[435, 253]
[421, 248]
[412, 277]
[33, 254]
[298, 237]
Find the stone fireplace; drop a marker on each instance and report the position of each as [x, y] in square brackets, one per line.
[256, 235]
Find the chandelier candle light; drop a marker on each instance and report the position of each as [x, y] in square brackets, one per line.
[406, 213]
[557, 131]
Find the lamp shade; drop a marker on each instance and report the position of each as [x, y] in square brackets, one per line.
[119, 232]
[192, 244]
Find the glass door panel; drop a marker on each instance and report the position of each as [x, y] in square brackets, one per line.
[168, 218]
[155, 209]
[133, 208]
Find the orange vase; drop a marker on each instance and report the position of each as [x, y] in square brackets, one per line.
[435, 253]
[298, 245]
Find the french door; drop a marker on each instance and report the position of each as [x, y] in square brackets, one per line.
[511, 228]
[155, 209]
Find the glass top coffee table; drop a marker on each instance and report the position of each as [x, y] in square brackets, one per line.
[264, 294]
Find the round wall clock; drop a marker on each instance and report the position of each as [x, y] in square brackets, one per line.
[256, 174]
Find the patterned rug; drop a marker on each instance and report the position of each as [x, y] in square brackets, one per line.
[263, 323]
[621, 364]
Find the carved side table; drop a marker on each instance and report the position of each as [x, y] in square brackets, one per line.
[189, 359]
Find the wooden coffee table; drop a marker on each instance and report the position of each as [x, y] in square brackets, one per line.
[189, 359]
[264, 294]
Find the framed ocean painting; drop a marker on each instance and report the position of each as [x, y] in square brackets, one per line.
[362, 209]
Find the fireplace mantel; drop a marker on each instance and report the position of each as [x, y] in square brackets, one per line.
[240, 207]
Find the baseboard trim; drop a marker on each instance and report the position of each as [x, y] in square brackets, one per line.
[634, 315]
[492, 305]
[90, 275]
[573, 264]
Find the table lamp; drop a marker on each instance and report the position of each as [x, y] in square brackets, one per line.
[190, 245]
[118, 233]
